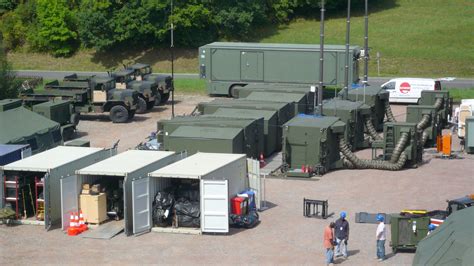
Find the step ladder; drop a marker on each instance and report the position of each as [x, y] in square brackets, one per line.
[12, 184]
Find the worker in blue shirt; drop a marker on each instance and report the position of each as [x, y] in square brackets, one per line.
[341, 230]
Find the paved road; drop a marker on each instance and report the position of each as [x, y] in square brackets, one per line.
[375, 81]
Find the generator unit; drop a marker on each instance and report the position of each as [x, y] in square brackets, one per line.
[284, 110]
[310, 145]
[226, 65]
[297, 100]
[407, 231]
[376, 98]
[62, 112]
[252, 139]
[400, 137]
[354, 115]
[445, 109]
[415, 114]
[271, 128]
[469, 136]
[242, 92]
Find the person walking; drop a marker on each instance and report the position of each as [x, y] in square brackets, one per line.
[328, 243]
[380, 235]
[342, 235]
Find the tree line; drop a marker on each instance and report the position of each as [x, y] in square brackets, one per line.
[61, 27]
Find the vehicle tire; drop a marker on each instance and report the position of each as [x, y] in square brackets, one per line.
[119, 114]
[74, 119]
[158, 99]
[150, 105]
[131, 114]
[232, 92]
[165, 97]
[68, 133]
[141, 106]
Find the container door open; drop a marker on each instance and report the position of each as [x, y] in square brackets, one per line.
[47, 202]
[251, 67]
[141, 205]
[69, 199]
[214, 206]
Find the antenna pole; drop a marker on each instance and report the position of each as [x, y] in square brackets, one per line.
[366, 43]
[172, 61]
[321, 61]
[346, 68]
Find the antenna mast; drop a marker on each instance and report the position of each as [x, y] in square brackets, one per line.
[172, 61]
[321, 61]
[346, 68]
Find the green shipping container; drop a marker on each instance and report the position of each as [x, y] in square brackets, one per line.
[446, 110]
[58, 110]
[225, 65]
[415, 114]
[353, 114]
[407, 231]
[312, 141]
[297, 100]
[193, 139]
[284, 110]
[253, 129]
[375, 98]
[272, 130]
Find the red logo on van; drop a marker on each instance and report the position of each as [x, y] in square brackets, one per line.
[405, 87]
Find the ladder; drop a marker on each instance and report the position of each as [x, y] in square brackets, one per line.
[12, 184]
[39, 184]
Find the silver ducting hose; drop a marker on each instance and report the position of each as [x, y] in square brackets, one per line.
[371, 129]
[399, 148]
[424, 137]
[388, 112]
[424, 123]
[438, 103]
[354, 162]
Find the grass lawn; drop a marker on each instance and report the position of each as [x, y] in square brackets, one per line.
[459, 94]
[429, 38]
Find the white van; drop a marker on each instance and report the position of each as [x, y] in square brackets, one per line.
[408, 90]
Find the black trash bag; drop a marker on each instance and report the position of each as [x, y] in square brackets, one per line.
[188, 213]
[244, 221]
[162, 205]
[188, 191]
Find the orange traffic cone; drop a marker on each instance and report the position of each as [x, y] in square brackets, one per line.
[262, 160]
[82, 224]
[72, 230]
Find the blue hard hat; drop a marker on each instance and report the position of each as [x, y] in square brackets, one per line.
[380, 217]
[343, 214]
[431, 227]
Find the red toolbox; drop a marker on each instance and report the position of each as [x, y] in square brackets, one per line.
[239, 205]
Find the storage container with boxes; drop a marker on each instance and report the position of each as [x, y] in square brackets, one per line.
[109, 189]
[32, 186]
[201, 187]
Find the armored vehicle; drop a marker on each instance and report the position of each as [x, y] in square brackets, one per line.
[94, 96]
[164, 82]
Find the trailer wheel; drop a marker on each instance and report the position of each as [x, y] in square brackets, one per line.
[74, 119]
[232, 90]
[158, 99]
[141, 106]
[165, 97]
[131, 114]
[119, 114]
[150, 105]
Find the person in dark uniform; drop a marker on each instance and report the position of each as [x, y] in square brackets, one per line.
[341, 230]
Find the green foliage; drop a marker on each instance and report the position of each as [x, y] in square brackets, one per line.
[55, 28]
[15, 25]
[7, 5]
[7, 78]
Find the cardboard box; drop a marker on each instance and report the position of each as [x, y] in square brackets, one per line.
[94, 208]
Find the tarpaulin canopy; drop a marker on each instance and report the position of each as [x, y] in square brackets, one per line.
[452, 243]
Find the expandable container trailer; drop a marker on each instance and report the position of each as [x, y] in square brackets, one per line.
[253, 130]
[227, 65]
[26, 127]
[392, 133]
[41, 174]
[407, 231]
[284, 110]
[242, 92]
[194, 139]
[376, 98]
[311, 145]
[415, 114]
[354, 115]
[8, 104]
[123, 173]
[469, 136]
[297, 100]
[446, 109]
[272, 130]
[216, 178]
[12, 153]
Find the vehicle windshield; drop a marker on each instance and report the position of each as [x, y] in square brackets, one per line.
[389, 86]
[145, 70]
[124, 78]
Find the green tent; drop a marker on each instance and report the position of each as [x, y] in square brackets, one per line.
[21, 126]
[452, 243]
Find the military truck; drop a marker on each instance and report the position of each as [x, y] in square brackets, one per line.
[148, 90]
[95, 96]
[165, 82]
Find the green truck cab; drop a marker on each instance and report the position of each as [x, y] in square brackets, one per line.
[98, 95]
[147, 90]
[164, 82]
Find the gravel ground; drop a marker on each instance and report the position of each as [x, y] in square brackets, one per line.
[283, 236]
